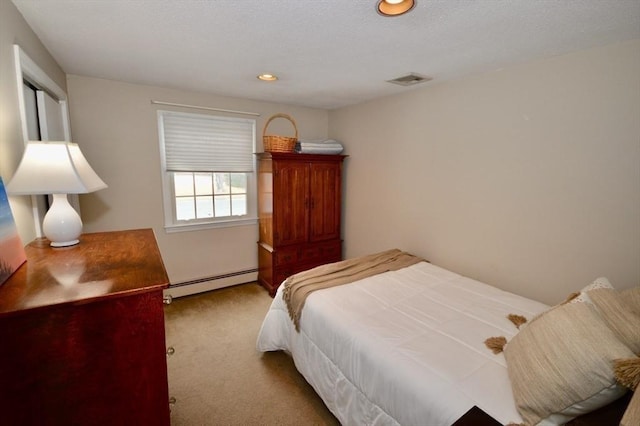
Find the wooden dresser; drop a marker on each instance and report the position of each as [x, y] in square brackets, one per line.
[299, 208]
[82, 334]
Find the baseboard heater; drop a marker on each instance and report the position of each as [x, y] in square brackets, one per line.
[200, 285]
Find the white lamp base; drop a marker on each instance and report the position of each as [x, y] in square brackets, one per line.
[62, 224]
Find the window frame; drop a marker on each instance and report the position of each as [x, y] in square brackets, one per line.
[171, 223]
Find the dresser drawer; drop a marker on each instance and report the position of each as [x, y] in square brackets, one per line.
[286, 256]
[310, 253]
[322, 253]
[293, 259]
[332, 252]
[281, 275]
[316, 253]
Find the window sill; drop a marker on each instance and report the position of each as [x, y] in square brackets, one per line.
[170, 229]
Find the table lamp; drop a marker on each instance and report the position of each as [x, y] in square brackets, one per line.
[57, 168]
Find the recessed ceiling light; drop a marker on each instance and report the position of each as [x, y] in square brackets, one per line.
[267, 77]
[395, 7]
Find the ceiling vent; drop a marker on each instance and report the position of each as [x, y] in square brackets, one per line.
[410, 79]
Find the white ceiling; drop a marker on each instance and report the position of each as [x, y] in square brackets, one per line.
[327, 53]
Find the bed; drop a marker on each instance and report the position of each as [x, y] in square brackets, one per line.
[404, 347]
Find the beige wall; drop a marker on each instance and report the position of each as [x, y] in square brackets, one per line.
[116, 125]
[14, 30]
[527, 178]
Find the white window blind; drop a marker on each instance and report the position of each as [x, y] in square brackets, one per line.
[205, 143]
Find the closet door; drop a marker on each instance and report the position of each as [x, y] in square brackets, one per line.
[325, 201]
[51, 118]
[291, 202]
[31, 112]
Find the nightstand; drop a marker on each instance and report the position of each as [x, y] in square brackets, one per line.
[476, 417]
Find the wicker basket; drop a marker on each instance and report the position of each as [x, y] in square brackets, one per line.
[279, 143]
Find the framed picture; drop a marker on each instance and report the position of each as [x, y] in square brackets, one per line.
[12, 253]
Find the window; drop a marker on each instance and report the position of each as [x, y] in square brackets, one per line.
[208, 170]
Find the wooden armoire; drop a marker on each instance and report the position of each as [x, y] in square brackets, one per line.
[299, 207]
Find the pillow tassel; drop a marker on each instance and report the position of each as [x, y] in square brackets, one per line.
[627, 372]
[518, 320]
[496, 344]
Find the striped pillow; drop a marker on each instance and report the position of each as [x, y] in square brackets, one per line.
[561, 365]
[631, 298]
[617, 314]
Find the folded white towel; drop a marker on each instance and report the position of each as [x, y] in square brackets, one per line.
[319, 151]
[319, 141]
[320, 146]
[326, 146]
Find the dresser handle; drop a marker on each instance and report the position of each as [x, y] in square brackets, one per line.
[167, 299]
[170, 351]
[172, 402]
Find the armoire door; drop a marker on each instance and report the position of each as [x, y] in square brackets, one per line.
[325, 190]
[291, 203]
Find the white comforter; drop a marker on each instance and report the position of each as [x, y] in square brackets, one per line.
[404, 347]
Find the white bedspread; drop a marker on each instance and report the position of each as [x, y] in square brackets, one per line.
[404, 347]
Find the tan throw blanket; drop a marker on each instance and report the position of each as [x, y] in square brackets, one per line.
[297, 287]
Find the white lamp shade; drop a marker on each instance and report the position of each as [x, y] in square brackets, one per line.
[52, 167]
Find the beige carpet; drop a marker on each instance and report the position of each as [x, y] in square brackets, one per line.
[216, 374]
